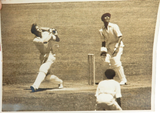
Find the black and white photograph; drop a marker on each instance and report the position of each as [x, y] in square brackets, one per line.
[84, 55]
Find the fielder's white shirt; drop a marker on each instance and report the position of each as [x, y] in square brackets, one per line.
[107, 91]
[111, 35]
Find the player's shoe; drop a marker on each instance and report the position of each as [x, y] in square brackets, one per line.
[33, 89]
[123, 83]
[60, 86]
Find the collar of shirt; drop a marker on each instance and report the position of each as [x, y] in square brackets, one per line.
[109, 25]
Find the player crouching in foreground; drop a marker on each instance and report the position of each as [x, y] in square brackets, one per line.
[44, 41]
[108, 93]
[112, 46]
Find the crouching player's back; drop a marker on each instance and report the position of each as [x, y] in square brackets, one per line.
[108, 93]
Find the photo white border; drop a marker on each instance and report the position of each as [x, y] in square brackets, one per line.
[156, 64]
[156, 55]
[41, 1]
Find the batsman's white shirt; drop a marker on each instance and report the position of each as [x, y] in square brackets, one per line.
[107, 91]
[45, 44]
[47, 48]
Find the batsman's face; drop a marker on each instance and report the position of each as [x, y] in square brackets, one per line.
[37, 28]
[38, 31]
[107, 19]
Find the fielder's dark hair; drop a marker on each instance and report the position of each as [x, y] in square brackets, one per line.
[104, 15]
[110, 73]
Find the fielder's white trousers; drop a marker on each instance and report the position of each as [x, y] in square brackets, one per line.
[104, 106]
[107, 102]
[116, 64]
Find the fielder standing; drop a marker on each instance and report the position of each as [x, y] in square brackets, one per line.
[44, 41]
[108, 93]
[112, 46]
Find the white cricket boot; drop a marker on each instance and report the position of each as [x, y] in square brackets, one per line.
[55, 79]
[123, 83]
[60, 86]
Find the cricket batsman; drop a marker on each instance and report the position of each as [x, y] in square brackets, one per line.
[44, 41]
[112, 46]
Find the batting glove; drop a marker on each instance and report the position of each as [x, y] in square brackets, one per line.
[115, 52]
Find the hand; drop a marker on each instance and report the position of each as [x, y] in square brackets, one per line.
[50, 30]
[53, 31]
[103, 53]
[115, 52]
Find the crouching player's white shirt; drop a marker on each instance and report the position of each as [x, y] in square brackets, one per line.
[107, 92]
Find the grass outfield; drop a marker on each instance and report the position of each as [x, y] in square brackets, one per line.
[73, 97]
[78, 24]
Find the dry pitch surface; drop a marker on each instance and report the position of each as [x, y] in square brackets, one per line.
[75, 96]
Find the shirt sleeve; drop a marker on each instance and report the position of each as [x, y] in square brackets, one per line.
[97, 91]
[101, 34]
[46, 36]
[118, 91]
[117, 31]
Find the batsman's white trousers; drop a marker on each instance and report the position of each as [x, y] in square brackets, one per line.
[44, 68]
[50, 58]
